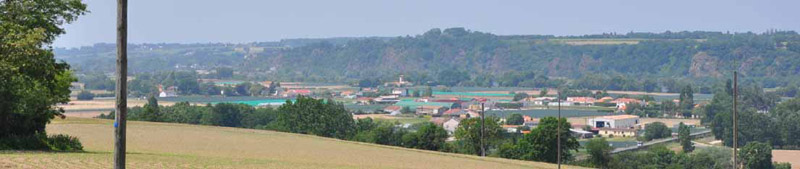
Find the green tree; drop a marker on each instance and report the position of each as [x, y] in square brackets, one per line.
[515, 119]
[543, 92]
[656, 130]
[428, 92]
[686, 101]
[540, 144]
[31, 80]
[255, 90]
[315, 116]
[520, 96]
[469, 133]
[151, 110]
[430, 137]
[756, 155]
[685, 137]
[599, 152]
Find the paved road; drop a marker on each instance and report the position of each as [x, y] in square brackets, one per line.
[654, 142]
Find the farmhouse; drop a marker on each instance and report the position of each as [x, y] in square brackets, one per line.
[459, 113]
[616, 122]
[623, 103]
[616, 132]
[581, 133]
[297, 92]
[584, 101]
[393, 110]
[171, 91]
[431, 110]
[386, 99]
[451, 125]
[530, 122]
[555, 103]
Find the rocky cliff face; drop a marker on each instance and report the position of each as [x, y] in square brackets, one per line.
[704, 65]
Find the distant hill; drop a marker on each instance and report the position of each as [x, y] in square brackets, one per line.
[457, 56]
[163, 145]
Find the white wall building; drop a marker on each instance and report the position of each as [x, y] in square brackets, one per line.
[617, 121]
[451, 125]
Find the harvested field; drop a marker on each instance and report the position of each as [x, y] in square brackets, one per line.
[163, 145]
[92, 108]
[790, 156]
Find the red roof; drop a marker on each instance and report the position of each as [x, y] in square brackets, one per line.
[451, 111]
[626, 100]
[300, 91]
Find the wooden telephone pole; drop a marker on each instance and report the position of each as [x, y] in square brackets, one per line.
[122, 84]
[735, 124]
[558, 131]
[483, 149]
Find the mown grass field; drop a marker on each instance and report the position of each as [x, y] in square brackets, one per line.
[163, 145]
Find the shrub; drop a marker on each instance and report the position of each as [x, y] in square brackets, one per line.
[62, 142]
[41, 142]
[85, 95]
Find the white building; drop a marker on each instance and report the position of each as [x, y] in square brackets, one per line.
[617, 121]
[451, 125]
[563, 103]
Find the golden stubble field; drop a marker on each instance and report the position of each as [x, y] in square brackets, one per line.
[162, 145]
[92, 108]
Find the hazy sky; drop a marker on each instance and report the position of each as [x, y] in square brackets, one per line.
[190, 21]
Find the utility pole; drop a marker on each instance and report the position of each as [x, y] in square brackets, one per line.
[483, 149]
[735, 123]
[122, 84]
[558, 131]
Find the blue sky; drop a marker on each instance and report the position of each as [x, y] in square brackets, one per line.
[237, 21]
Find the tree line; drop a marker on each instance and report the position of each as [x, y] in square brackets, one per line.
[327, 118]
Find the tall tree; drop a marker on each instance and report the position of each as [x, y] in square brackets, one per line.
[31, 81]
[540, 144]
[684, 134]
[599, 152]
[686, 101]
[656, 130]
[756, 155]
[515, 119]
[469, 132]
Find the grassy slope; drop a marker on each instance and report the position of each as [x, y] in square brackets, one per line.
[161, 145]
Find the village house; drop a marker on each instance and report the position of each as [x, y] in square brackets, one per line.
[604, 100]
[622, 103]
[390, 99]
[530, 122]
[563, 103]
[542, 100]
[430, 110]
[400, 92]
[364, 100]
[171, 91]
[297, 92]
[582, 101]
[616, 132]
[581, 134]
[451, 125]
[393, 110]
[616, 122]
[461, 113]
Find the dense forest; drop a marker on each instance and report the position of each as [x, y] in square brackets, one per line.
[460, 57]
